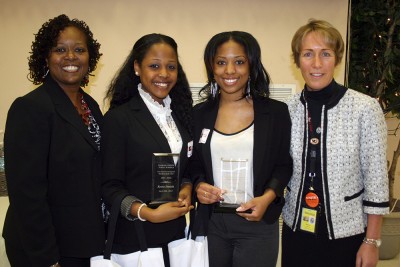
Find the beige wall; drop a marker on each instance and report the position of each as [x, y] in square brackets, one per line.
[118, 24]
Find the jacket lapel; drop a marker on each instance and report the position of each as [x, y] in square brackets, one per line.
[145, 118]
[210, 116]
[262, 128]
[67, 111]
[185, 140]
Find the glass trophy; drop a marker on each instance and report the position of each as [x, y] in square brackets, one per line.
[165, 178]
[234, 181]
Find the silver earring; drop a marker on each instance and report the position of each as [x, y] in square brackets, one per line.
[45, 74]
[248, 87]
[137, 73]
[214, 89]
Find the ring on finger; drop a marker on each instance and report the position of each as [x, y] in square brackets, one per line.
[205, 194]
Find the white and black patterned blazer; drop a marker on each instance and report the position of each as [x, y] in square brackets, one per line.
[353, 161]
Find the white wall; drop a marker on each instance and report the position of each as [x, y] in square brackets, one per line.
[118, 24]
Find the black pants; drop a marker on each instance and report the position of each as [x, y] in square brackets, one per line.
[19, 258]
[236, 242]
[302, 249]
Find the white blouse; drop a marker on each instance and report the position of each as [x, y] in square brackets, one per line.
[232, 157]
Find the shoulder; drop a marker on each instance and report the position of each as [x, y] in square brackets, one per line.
[117, 111]
[30, 112]
[37, 95]
[35, 101]
[269, 104]
[293, 100]
[361, 101]
[277, 103]
[202, 106]
[358, 96]
[118, 115]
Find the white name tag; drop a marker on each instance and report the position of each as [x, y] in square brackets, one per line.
[190, 149]
[204, 136]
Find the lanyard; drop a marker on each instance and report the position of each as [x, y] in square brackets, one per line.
[314, 141]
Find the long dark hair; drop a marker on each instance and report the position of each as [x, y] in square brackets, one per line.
[259, 78]
[125, 83]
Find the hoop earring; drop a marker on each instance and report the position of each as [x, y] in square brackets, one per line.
[213, 89]
[86, 79]
[248, 87]
[45, 74]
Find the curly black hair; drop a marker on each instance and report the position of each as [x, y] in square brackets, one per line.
[46, 39]
[259, 77]
[125, 83]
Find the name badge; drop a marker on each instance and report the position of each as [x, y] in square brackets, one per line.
[204, 136]
[190, 149]
[308, 220]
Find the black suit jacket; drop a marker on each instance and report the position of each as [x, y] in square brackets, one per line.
[272, 164]
[53, 170]
[130, 137]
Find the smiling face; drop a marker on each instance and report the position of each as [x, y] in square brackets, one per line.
[317, 62]
[68, 61]
[158, 71]
[231, 69]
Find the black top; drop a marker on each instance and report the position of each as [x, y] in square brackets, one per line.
[315, 101]
[53, 177]
[130, 136]
[272, 165]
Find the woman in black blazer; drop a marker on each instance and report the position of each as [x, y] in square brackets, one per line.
[241, 125]
[150, 112]
[52, 161]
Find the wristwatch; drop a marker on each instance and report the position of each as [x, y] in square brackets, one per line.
[370, 241]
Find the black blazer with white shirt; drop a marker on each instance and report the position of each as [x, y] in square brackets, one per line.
[272, 164]
[53, 169]
[130, 137]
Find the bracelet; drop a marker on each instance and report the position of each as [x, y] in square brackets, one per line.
[138, 212]
[370, 241]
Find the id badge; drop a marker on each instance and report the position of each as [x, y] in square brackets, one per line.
[309, 220]
[190, 149]
[204, 136]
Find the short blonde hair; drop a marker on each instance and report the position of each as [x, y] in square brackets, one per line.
[332, 37]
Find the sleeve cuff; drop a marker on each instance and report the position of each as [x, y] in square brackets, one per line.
[126, 205]
[275, 185]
